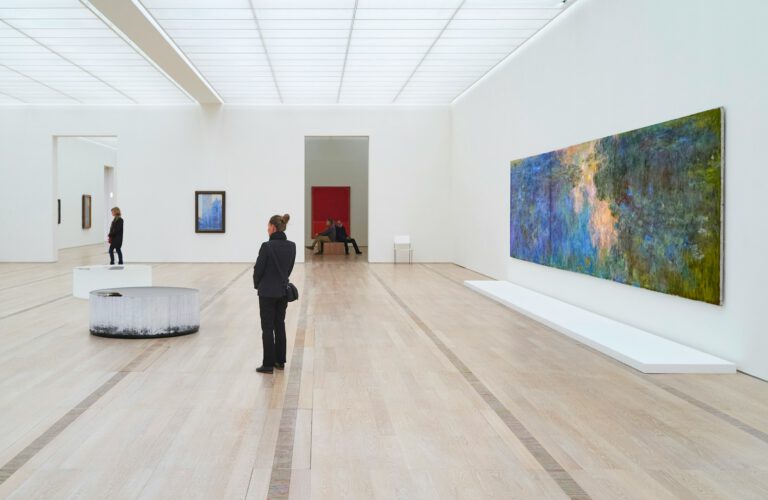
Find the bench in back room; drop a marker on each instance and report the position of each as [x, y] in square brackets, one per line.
[333, 248]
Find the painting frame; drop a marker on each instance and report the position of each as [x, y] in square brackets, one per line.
[58, 211]
[677, 249]
[201, 224]
[86, 211]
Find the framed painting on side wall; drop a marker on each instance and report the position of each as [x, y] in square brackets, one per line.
[58, 211]
[86, 211]
[210, 211]
[642, 207]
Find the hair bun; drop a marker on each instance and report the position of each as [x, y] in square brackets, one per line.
[286, 218]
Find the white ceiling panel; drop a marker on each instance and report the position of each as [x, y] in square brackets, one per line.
[332, 14]
[338, 26]
[266, 51]
[302, 4]
[497, 24]
[431, 25]
[59, 51]
[208, 24]
[512, 4]
[409, 4]
[196, 4]
[40, 4]
[30, 12]
[349, 50]
[392, 14]
[201, 14]
[507, 14]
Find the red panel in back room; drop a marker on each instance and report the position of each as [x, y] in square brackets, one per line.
[330, 202]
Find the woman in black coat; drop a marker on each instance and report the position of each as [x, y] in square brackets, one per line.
[270, 277]
[116, 237]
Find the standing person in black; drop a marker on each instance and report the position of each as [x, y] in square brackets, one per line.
[341, 235]
[115, 237]
[270, 278]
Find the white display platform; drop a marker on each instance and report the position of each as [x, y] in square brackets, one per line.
[639, 349]
[85, 279]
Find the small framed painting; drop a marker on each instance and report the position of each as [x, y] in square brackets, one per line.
[58, 203]
[210, 211]
[86, 211]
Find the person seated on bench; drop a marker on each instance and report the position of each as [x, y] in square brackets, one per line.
[342, 236]
[328, 235]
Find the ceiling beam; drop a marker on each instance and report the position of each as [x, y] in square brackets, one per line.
[129, 19]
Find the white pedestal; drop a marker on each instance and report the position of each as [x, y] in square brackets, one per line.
[144, 312]
[637, 348]
[88, 278]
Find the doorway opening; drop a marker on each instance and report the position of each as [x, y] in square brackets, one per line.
[86, 190]
[110, 196]
[336, 187]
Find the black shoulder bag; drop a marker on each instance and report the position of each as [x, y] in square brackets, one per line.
[291, 292]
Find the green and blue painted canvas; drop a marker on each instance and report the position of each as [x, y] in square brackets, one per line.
[643, 207]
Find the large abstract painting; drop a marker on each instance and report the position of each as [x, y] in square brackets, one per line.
[210, 211]
[642, 207]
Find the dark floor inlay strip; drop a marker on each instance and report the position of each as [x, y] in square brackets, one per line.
[440, 273]
[36, 306]
[62, 423]
[558, 474]
[711, 410]
[280, 479]
[36, 281]
[725, 417]
[221, 291]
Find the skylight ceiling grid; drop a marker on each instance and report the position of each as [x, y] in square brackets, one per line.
[267, 51]
[482, 33]
[307, 54]
[386, 45]
[222, 40]
[60, 52]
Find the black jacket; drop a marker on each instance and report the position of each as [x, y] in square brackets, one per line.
[266, 277]
[116, 232]
[341, 234]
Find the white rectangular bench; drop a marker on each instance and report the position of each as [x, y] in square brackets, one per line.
[639, 349]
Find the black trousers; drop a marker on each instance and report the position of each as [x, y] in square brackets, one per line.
[354, 244]
[272, 312]
[113, 248]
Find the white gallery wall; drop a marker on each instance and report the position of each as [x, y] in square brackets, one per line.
[81, 165]
[255, 154]
[607, 66]
[339, 161]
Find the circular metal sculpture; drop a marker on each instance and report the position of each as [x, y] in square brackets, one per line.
[144, 312]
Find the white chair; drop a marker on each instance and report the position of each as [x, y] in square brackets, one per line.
[403, 244]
